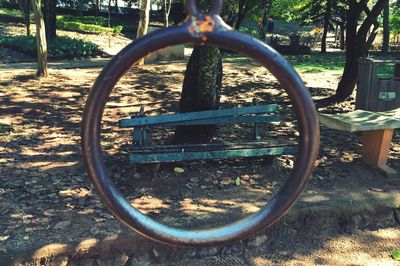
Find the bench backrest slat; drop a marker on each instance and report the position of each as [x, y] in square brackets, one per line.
[230, 120]
[199, 118]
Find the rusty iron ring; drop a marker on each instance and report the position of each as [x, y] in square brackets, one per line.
[193, 10]
[222, 37]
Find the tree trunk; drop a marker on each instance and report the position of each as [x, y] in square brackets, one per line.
[201, 91]
[357, 46]
[50, 19]
[25, 7]
[266, 4]
[397, 70]
[143, 22]
[327, 18]
[386, 33]
[41, 39]
[97, 7]
[342, 36]
[167, 10]
[116, 9]
[241, 13]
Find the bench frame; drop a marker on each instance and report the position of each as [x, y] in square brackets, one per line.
[377, 132]
[143, 152]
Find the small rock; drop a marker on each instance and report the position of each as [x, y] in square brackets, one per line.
[94, 231]
[62, 225]
[225, 182]
[81, 201]
[137, 176]
[252, 182]
[28, 230]
[194, 180]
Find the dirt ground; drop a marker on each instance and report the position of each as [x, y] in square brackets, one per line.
[46, 195]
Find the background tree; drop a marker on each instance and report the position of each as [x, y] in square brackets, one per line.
[50, 12]
[386, 31]
[201, 91]
[167, 4]
[25, 7]
[143, 21]
[266, 8]
[359, 39]
[325, 13]
[41, 39]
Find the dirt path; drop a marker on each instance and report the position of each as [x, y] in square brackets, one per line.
[47, 198]
[361, 248]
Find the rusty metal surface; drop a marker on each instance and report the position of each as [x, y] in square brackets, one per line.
[194, 30]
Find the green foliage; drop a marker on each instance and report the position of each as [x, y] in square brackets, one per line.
[250, 31]
[89, 24]
[61, 47]
[287, 10]
[100, 21]
[12, 15]
[396, 254]
[394, 20]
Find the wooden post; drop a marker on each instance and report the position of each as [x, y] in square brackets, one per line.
[376, 145]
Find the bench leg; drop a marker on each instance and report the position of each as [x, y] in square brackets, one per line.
[376, 145]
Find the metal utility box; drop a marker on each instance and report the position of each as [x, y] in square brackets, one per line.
[374, 93]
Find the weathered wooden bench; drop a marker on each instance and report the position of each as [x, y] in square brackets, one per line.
[143, 152]
[377, 133]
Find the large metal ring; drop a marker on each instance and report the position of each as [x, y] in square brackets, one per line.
[193, 10]
[258, 51]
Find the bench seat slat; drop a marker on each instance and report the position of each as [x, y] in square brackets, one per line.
[361, 120]
[230, 120]
[172, 153]
[193, 116]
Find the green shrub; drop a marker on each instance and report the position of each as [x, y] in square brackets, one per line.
[100, 21]
[10, 13]
[61, 47]
[88, 24]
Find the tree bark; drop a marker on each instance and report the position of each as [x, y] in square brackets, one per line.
[357, 45]
[143, 22]
[116, 9]
[50, 18]
[201, 91]
[167, 11]
[327, 18]
[41, 39]
[25, 7]
[266, 4]
[386, 32]
[243, 8]
[342, 36]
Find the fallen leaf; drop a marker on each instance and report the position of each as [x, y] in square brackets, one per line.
[179, 170]
[237, 182]
[396, 254]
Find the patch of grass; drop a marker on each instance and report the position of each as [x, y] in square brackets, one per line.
[313, 63]
[12, 15]
[100, 21]
[88, 24]
[15, 13]
[61, 47]
[317, 63]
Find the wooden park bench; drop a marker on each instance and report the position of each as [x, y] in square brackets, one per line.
[377, 132]
[143, 152]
